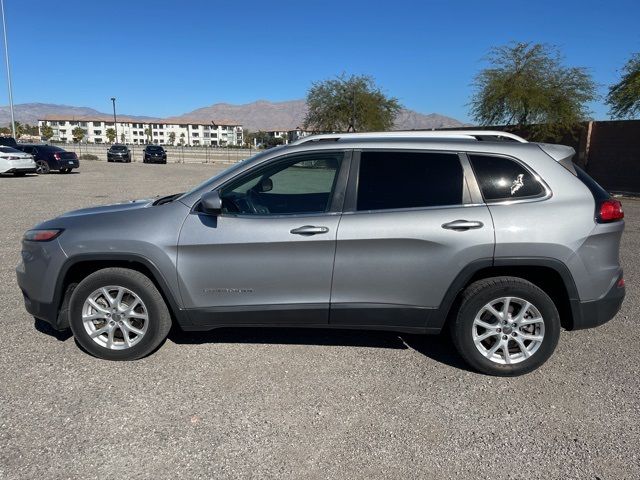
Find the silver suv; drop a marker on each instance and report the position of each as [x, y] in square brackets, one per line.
[500, 240]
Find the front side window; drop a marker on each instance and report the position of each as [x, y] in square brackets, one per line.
[393, 179]
[299, 185]
[501, 178]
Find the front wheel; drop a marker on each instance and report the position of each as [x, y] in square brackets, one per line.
[118, 314]
[42, 167]
[506, 326]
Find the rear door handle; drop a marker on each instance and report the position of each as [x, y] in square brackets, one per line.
[462, 225]
[309, 230]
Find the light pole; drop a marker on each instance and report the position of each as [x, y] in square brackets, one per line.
[115, 120]
[6, 58]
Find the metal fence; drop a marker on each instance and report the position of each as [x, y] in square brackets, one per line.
[175, 154]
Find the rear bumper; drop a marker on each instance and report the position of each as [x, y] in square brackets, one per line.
[20, 170]
[597, 312]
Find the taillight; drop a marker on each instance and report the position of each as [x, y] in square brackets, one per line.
[56, 156]
[610, 210]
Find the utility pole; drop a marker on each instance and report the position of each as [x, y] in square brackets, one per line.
[115, 120]
[6, 58]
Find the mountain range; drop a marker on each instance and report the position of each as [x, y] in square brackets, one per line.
[259, 115]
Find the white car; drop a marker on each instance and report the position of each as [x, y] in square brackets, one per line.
[16, 162]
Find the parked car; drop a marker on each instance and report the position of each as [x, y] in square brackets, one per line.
[119, 153]
[50, 157]
[154, 154]
[501, 242]
[8, 142]
[16, 162]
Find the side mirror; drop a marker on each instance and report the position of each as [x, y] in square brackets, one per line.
[211, 203]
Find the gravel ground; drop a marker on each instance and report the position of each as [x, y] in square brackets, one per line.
[286, 403]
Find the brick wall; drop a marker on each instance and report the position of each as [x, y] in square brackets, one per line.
[613, 157]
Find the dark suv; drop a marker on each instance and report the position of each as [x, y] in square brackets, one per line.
[119, 153]
[154, 154]
[49, 157]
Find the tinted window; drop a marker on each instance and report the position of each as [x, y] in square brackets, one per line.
[119, 148]
[409, 179]
[296, 186]
[597, 191]
[503, 179]
[9, 150]
[154, 149]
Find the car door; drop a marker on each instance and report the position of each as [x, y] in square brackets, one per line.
[268, 257]
[411, 225]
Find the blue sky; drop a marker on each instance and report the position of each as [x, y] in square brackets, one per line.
[164, 58]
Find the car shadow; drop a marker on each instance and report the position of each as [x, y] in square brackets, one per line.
[44, 327]
[439, 348]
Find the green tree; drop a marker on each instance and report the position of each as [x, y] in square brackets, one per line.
[352, 103]
[111, 135]
[624, 96]
[149, 133]
[19, 129]
[528, 87]
[122, 137]
[172, 138]
[78, 134]
[46, 132]
[182, 138]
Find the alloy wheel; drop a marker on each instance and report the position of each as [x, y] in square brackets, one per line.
[115, 317]
[42, 167]
[508, 330]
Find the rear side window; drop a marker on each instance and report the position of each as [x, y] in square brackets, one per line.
[390, 180]
[599, 193]
[501, 178]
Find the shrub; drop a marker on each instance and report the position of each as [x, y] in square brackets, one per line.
[88, 156]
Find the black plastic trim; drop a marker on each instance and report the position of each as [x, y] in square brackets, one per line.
[49, 311]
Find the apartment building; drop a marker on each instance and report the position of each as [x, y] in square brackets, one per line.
[192, 132]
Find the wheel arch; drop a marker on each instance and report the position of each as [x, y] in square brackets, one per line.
[79, 267]
[549, 274]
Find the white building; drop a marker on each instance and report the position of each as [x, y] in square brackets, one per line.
[219, 133]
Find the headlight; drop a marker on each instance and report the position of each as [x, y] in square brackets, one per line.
[42, 235]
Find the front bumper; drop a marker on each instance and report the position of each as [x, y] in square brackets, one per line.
[118, 158]
[598, 312]
[37, 276]
[155, 159]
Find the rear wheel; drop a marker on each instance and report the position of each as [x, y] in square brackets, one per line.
[506, 326]
[42, 167]
[118, 314]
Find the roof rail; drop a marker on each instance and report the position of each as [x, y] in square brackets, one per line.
[434, 134]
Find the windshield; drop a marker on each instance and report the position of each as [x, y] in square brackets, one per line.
[154, 149]
[119, 148]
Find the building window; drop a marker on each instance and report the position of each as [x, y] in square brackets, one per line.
[195, 134]
[97, 132]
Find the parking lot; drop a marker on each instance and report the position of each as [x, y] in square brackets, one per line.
[294, 403]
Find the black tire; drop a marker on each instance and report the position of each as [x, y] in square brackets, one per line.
[159, 319]
[479, 294]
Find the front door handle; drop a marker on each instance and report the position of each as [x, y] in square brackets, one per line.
[309, 230]
[462, 225]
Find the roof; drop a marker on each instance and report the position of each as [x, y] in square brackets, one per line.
[476, 135]
[126, 119]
